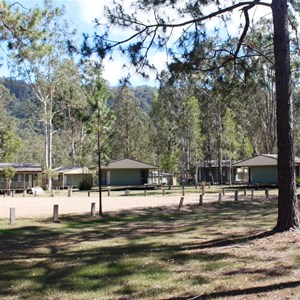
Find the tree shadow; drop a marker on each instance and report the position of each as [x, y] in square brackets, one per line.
[52, 255]
[241, 292]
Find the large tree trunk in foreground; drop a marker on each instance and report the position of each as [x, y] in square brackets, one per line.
[287, 197]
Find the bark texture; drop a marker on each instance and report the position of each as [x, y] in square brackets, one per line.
[287, 198]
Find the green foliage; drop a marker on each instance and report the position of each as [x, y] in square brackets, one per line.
[100, 119]
[9, 172]
[51, 173]
[10, 145]
[85, 185]
[176, 118]
[131, 129]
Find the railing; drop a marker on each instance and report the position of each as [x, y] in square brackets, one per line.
[16, 185]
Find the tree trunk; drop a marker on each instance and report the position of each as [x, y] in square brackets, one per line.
[287, 198]
[99, 173]
[219, 143]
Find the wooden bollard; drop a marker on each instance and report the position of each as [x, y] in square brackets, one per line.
[236, 196]
[145, 192]
[180, 203]
[55, 213]
[203, 189]
[252, 195]
[108, 192]
[220, 197]
[200, 200]
[89, 193]
[164, 191]
[223, 190]
[245, 192]
[183, 191]
[52, 193]
[93, 209]
[12, 215]
[267, 193]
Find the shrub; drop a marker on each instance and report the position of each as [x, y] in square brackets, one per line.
[85, 185]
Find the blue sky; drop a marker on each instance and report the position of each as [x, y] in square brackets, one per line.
[81, 14]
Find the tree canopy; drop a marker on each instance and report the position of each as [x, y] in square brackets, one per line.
[198, 49]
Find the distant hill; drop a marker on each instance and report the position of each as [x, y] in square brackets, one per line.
[145, 94]
[24, 106]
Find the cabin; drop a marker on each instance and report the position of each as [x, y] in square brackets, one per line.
[208, 171]
[26, 177]
[70, 176]
[126, 172]
[262, 169]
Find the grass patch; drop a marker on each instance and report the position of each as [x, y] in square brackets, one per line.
[211, 252]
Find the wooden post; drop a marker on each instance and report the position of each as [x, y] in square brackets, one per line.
[183, 192]
[245, 192]
[52, 193]
[180, 203]
[223, 190]
[164, 191]
[93, 209]
[12, 216]
[236, 195]
[145, 192]
[220, 197]
[203, 189]
[108, 192]
[89, 193]
[55, 213]
[252, 195]
[200, 200]
[267, 193]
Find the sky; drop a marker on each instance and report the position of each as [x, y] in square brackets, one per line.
[82, 13]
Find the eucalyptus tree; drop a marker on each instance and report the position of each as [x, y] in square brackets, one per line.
[10, 142]
[71, 103]
[37, 61]
[187, 56]
[132, 127]
[176, 120]
[164, 117]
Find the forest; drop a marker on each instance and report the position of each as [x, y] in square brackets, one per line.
[57, 109]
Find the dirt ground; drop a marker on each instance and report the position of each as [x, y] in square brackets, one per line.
[80, 203]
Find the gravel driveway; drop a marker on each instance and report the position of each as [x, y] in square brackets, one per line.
[79, 203]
